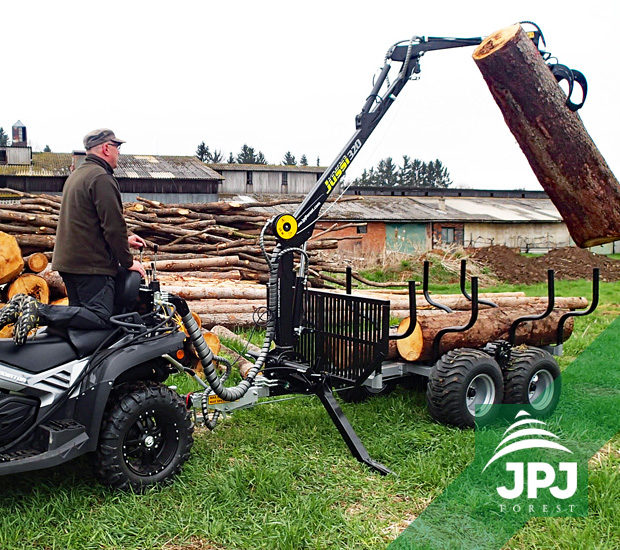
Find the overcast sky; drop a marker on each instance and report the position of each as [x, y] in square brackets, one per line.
[290, 76]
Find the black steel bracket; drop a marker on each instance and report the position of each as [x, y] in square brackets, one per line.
[512, 334]
[464, 292]
[472, 321]
[413, 315]
[425, 281]
[593, 305]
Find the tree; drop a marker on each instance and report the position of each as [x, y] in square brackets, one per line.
[4, 139]
[289, 159]
[260, 158]
[215, 157]
[303, 161]
[318, 161]
[412, 173]
[202, 152]
[47, 149]
[247, 155]
[231, 158]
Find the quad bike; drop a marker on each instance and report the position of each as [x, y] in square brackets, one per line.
[65, 393]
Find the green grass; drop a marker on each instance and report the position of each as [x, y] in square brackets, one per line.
[279, 477]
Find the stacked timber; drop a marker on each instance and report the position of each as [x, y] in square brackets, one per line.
[218, 239]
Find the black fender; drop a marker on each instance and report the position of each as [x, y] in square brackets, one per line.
[95, 391]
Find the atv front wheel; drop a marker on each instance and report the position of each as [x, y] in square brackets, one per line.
[145, 438]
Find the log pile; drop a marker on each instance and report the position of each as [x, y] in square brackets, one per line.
[19, 275]
[218, 239]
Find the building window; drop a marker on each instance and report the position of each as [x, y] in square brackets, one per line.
[3, 157]
[447, 235]
[362, 229]
[284, 178]
[248, 178]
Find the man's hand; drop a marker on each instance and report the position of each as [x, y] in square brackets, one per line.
[135, 241]
[137, 266]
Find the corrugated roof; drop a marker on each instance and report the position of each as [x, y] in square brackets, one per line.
[129, 166]
[422, 209]
[266, 168]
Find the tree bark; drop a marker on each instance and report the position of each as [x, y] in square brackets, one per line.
[553, 138]
[492, 324]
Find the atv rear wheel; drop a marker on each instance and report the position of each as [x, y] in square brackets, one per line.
[463, 386]
[145, 438]
[532, 378]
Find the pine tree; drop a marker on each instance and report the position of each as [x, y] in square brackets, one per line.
[289, 159]
[387, 172]
[215, 157]
[260, 158]
[47, 149]
[247, 155]
[202, 152]
[318, 161]
[4, 138]
[303, 161]
[231, 158]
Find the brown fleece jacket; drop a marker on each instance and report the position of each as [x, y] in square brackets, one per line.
[91, 237]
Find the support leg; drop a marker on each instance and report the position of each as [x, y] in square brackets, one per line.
[347, 432]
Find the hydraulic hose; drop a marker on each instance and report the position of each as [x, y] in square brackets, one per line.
[206, 356]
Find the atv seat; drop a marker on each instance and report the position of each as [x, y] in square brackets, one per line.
[38, 354]
[84, 342]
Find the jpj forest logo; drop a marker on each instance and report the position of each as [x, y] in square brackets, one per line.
[533, 471]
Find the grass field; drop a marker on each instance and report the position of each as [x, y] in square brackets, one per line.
[280, 477]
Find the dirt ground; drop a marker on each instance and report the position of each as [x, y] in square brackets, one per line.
[568, 263]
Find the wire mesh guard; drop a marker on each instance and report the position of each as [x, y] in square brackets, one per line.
[345, 336]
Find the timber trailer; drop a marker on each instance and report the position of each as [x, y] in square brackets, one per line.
[68, 392]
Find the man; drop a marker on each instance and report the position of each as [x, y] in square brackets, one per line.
[92, 244]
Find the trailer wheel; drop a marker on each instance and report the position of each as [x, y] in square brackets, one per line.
[532, 378]
[145, 438]
[461, 380]
[362, 393]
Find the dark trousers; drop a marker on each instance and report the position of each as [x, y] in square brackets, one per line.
[91, 303]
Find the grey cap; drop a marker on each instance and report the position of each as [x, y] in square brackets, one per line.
[99, 136]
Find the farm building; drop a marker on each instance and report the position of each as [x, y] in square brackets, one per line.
[410, 224]
[156, 177]
[263, 178]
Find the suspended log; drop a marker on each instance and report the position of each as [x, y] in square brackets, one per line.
[492, 324]
[563, 156]
[11, 261]
[30, 284]
[37, 262]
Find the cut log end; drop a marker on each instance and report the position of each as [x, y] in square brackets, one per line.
[410, 348]
[496, 41]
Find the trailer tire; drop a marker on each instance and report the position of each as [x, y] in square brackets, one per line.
[532, 378]
[145, 438]
[458, 381]
[363, 393]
